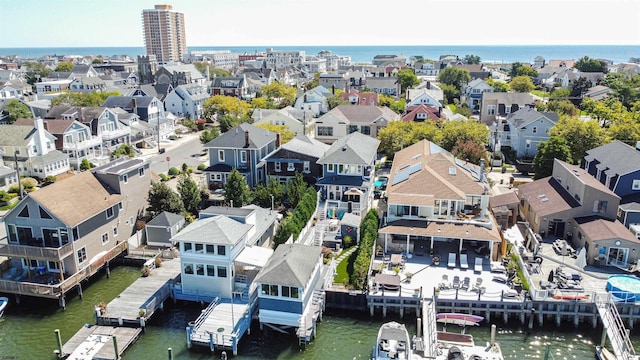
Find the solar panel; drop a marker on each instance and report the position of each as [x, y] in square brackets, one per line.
[400, 177]
[415, 168]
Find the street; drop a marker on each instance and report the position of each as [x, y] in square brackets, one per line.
[186, 149]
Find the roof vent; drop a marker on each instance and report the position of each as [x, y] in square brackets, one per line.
[452, 170]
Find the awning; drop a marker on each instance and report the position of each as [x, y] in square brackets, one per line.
[254, 256]
[354, 191]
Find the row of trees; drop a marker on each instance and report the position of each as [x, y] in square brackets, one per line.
[293, 224]
[368, 237]
[186, 201]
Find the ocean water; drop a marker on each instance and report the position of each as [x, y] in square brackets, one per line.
[494, 54]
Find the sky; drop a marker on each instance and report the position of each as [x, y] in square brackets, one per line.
[93, 23]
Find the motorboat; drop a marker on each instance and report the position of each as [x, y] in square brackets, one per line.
[393, 342]
[460, 346]
[3, 304]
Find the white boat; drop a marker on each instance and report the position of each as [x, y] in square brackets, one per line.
[393, 342]
[456, 346]
[3, 304]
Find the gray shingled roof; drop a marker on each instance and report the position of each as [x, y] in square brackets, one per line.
[355, 148]
[165, 219]
[235, 138]
[526, 115]
[219, 230]
[16, 135]
[290, 265]
[303, 144]
[617, 156]
[509, 98]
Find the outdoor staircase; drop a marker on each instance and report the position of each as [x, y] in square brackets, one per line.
[616, 331]
[318, 235]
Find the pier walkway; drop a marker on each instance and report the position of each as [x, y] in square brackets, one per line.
[141, 299]
[98, 342]
[615, 329]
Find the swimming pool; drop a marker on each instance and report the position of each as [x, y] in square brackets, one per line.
[624, 288]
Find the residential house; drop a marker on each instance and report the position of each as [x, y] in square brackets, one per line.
[496, 105]
[176, 75]
[347, 173]
[187, 100]
[523, 131]
[418, 113]
[477, 71]
[52, 86]
[87, 84]
[346, 119]
[384, 86]
[392, 60]
[296, 121]
[15, 89]
[162, 228]
[429, 95]
[505, 209]
[55, 240]
[73, 139]
[360, 98]
[102, 121]
[314, 100]
[598, 92]
[617, 166]
[550, 205]
[299, 155]
[32, 147]
[284, 59]
[607, 242]
[148, 108]
[242, 148]
[83, 70]
[473, 93]
[313, 64]
[437, 203]
[263, 221]
[230, 86]
[335, 81]
[430, 69]
[289, 286]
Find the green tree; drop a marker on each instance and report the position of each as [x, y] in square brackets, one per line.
[220, 72]
[263, 192]
[85, 165]
[17, 110]
[559, 94]
[228, 122]
[312, 84]
[498, 86]
[389, 101]
[295, 190]
[451, 93]
[408, 79]
[225, 105]
[64, 66]
[262, 103]
[236, 189]
[93, 99]
[520, 69]
[565, 107]
[282, 95]
[34, 71]
[285, 134]
[123, 150]
[586, 64]
[334, 101]
[162, 198]
[189, 194]
[554, 148]
[580, 135]
[470, 151]
[579, 88]
[626, 130]
[472, 59]
[462, 130]
[97, 60]
[400, 134]
[454, 76]
[208, 135]
[522, 84]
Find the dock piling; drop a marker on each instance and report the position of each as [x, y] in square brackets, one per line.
[189, 330]
[170, 353]
[80, 290]
[493, 334]
[58, 342]
[115, 348]
[107, 270]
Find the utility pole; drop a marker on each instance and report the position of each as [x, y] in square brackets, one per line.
[15, 158]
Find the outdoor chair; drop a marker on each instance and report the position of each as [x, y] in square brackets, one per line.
[463, 261]
[466, 283]
[452, 260]
[444, 283]
[456, 282]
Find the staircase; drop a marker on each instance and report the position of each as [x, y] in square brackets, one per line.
[616, 331]
[318, 235]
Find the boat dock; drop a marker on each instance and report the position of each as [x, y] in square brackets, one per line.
[142, 298]
[307, 329]
[222, 324]
[97, 342]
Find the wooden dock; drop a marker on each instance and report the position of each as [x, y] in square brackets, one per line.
[141, 299]
[96, 342]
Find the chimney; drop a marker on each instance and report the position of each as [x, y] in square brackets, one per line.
[481, 170]
[428, 84]
[278, 140]
[246, 139]
[135, 106]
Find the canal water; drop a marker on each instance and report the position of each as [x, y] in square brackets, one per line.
[27, 331]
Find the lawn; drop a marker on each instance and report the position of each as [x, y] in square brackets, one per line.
[342, 272]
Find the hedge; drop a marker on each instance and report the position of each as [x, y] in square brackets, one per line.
[293, 223]
[369, 234]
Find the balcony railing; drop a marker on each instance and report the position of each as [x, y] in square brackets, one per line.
[36, 252]
[114, 134]
[81, 145]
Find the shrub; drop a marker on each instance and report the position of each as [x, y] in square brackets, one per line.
[173, 137]
[14, 189]
[174, 171]
[29, 183]
[85, 165]
[202, 167]
[163, 177]
[49, 180]
[4, 197]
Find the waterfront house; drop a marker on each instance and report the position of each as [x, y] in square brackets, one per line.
[617, 166]
[347, 171]
[434, 200]
[56, 239]
[187, 100]
[300, 155]
[314, 100]
[607, 242]
[523, 131]
[243, 148]
[473, 92]
[287, 287]
[496, 105]
[33, 149]
[346, 119]
[551, 204]
[162, 228]
[263, 221]
[389, 60]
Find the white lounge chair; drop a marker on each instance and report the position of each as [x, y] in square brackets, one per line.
[477, 266]
[463, 261]
[452, 260]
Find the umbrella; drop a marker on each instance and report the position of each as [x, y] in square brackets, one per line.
[581, 261]
[550, 278]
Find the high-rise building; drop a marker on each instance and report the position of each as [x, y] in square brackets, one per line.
[164, 34]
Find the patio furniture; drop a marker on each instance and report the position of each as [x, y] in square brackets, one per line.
[452, 260]
[477, 265]
[501, 278]
[466, 283]
[444, 284]
[396, 260]
[476, 286]
[456, 282]
[463, 261]
[497, 267]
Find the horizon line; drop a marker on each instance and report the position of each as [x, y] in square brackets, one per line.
[327, 45]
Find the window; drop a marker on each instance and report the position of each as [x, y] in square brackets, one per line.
[546, 130]
[491, 110]
[534, 129]
[24, 212]
[109, 213]
[125, 178]
[120, 205]
[306, 167]
[325, 131]
[105, 238]
[291, 166]
[221, 155]
[115, 231]
[188, 269]
[222, 271]
[243, 156]
[199, 248]
[330, 168]
[141, 172]
[600, 207]
[210, 249]
[277, 166]
[352, 129]
[43, 213]
[130, 220]
[200, 269]
[290, 292]
[636, 185]
[211, 270]
[365, 129]
[222, 250]
[188, 247]
[82, 255]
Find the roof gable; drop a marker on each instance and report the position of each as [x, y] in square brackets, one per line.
[355, 148]
[290, 265]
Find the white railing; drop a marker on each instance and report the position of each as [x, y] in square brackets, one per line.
[81, 145]
[112, 134]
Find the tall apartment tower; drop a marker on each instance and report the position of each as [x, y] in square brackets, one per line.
[164, 34]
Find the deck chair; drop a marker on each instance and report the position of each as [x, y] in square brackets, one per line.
[476, 286]
[477, 265]
[466, 283]
[444, 283]
[452, 260]
[463, 261]
[456, 282]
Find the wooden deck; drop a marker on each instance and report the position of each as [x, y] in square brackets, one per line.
[146, 293]
[96, 342]
[221, 322]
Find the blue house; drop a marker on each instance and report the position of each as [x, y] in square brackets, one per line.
[243, 148]
[348, 167]
[523, 131]
[287, 284]
[617, 166]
